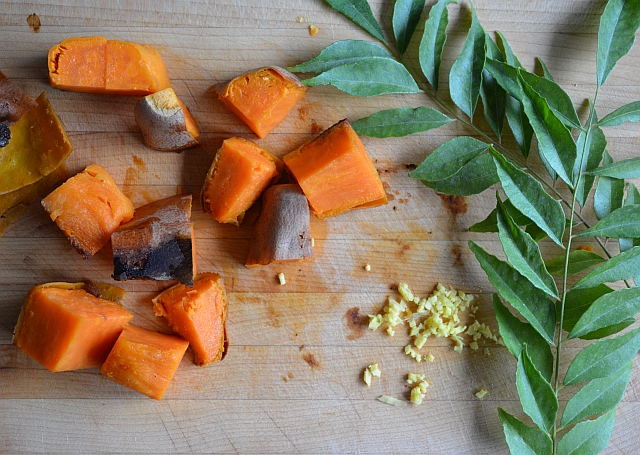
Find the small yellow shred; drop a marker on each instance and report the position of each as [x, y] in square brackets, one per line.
[487, 352]
[301, 19]
[374, 370]
[430, 358]
[474, 345]
[367, 268]
[313, 242]
[367, 377]
[281, 278]
[392, 401]
[481, 393]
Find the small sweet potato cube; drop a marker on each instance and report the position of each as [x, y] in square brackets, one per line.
[144, 361]
[64, 328]
[198, 314]
[336, 173]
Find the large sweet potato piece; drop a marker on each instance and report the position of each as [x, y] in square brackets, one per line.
[144, 361]
[88, 208]
[282, 231]
[240, 172]
[262, 98]
[157, 243]
[336, 173]
[198, 314]
[64, 327]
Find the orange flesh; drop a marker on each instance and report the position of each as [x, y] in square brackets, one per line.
[198, 314]
[336, 173]
[68, 329]
[190, 122]
[88, 208]
[144, 361]
[240, 172]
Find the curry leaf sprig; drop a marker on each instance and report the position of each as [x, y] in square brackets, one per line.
[535, 206]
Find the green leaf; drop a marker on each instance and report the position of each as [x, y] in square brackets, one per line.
[609, 192]
[449, 158]
[433, 39]
[474, 177]
[622, 222]
[608, 330]
[510, 57]
[545, 71]
[490, 223]
[597, 397]
[528, 196]
[616, 35]
[589, 437]
[610, 309]
[538, 399]
[592, 145]
[620, 267]
[577, 302]
[625, 169]
[633, 198]
[493, 96]
[603, 357]
[360, 13]
[371, 77]
[400, 122]
[406, 14]
[465, 76]
[579, 260]
[523, 439]
[627, 113]
[340, 53]
[514, 333]
[506, 76]
[523, 252]
[535, 232]
[528, 300]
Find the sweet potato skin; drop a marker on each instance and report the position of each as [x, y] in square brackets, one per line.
[14, 102]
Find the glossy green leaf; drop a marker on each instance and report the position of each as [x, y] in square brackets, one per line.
[610, 309]
[633, 198]
[603, 357]
[535, 232]
[608, 330]
[622, 222]
[597, 397]
[545, 71]
[537, 397]
[340, 53]
[360, 13]
[589, 437]
[474, 177]
[406, 14]
[523, 439]
[515, 332]
[616, 35]
[579, 260]
[506, 76]
[528, 196]
[627, 113]
[620, 267]
[609, 192]
[529, 301]
[432, 42]
[448, 158]
[492, 94]
[400, 122]
[625, 169]
[592, 145]
[490, 223]
[577, 301]
[371, 77]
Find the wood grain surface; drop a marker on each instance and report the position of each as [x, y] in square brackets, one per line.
[292, 382]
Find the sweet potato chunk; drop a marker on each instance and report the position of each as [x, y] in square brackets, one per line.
[336, 173]
[157, 243]
[240, 172]
[262, 98]
[198, 314]
[144, 361]
[282, 231]
[66, 328]
[88, 208]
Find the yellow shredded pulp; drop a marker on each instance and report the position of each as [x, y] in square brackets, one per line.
[481, 393]
[371, 371]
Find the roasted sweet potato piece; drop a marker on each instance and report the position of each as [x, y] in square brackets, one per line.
[157, 243]
[64, 327]
[88, 208]
[336, 173]
[144, 361]
[14, 102]
[96, 65]
[282, 231]
[262, 98]
[240, 172]
[198, 314]
[165, 122]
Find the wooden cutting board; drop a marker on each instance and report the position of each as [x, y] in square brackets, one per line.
[292, 382]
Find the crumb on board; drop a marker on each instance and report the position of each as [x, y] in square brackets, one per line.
[367, 268]
[392, 401]
[301, 19]
[313, 30]
[282, 279]
[370, 372]
[481, 394]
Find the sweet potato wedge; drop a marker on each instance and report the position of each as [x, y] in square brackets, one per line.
[96, 65]
[240, 172]
[198, 314]
[144, 361]
[157, 244]
[14, 102]
[282, 231]
[336, 173]
[64, 327]
[88, 208]
[262, 98]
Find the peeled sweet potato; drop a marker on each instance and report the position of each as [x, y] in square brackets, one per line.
[336, 173]
[282, 231]
[240, 172]
[262, 98]
[157, 243]
[144, 361]
[198, 314]
[88, 208]
[14, 102]
[64, 327]
[96, 65]
[165, 122]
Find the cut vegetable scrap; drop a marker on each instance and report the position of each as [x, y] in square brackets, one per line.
[370, 372]
[282, 279]
[419, 391]
[392, 401]
[481, 394]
